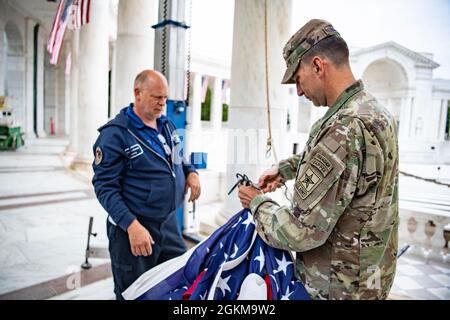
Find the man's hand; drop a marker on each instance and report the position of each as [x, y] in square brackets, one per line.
[193, 182]
[270, 179]
[140, 239]
[246, 195]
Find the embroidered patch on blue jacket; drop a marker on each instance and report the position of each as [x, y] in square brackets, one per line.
[134, 151]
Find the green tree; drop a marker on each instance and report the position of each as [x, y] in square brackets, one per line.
[224, 112]
[206, 106]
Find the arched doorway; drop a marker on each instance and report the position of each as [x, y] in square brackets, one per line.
[387, 81]
[14, 85]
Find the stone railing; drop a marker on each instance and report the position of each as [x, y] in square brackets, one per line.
[427, 233]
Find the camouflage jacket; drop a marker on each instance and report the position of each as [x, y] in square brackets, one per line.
[343, 222]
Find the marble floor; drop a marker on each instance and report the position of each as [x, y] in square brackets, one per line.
[44, 216]
[417, 279]
[100, 290]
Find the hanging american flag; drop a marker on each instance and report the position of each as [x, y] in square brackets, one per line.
[53, 31]
[70, 14]
[79, 14]
[233, 263]
[56, 37]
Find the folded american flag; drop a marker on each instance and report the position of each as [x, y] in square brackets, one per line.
[233, 263]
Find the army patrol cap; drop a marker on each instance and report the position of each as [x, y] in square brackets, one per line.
[304, 39]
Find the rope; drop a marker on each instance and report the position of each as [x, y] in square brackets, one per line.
[164, 40]
[424, 179]
[188, 63]
[270, 146]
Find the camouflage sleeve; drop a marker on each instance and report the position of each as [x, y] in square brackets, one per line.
[323, 189]
[288, 167]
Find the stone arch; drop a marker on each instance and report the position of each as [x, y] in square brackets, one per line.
[14, 82]
[387, 80]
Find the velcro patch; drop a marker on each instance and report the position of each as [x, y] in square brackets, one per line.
[322, 167]
[332, 144]
[310, 179]
[322, 164]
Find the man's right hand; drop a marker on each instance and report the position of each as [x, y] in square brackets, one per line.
[140, 239]
[270, 179]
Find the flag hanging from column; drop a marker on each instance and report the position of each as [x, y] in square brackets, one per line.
[56, 38]
[79, 14]
[54, 30]
[70, 14]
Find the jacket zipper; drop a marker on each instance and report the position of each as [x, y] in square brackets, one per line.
[145, 145]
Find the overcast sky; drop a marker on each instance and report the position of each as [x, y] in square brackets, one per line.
[420, 25]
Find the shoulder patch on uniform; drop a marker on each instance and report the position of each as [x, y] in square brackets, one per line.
[98, 156]
[322, 164]
[331, 143]
[308, 182]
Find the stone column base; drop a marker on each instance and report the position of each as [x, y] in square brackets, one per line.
[82, 167]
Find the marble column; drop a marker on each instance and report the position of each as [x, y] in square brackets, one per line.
[405, 115]
[67, 105]
[40, 84]
[67, 95]
[3, 58]
[64, 93]
[216, 104]
[60, 91]
[247, 114]
[92, 80]
[135, 46]
[29, 73]
[74, 86]
[113, 84]
[443, 107]
[423, 117]
[196, 103]
[410, 103]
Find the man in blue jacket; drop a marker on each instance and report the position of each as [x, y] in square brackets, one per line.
[140, 180]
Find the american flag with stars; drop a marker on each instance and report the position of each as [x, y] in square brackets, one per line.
[233, 263]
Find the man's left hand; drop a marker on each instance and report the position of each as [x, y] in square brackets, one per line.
[246, 195]
[193, 182]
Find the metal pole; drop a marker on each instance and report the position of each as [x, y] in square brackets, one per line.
[86, 264]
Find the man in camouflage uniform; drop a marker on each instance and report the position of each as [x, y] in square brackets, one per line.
[343, 222]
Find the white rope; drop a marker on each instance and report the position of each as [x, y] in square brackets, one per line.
[270, 145]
